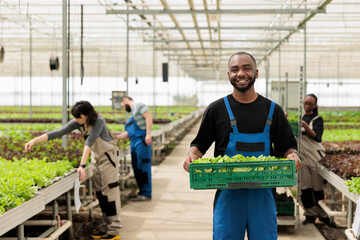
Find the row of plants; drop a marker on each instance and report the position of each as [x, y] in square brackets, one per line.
[341, 134]
[38, 127]
[332, 116]
[13, 142]
[102, 109]
[53, 115]
[341, 140]
[21, 178]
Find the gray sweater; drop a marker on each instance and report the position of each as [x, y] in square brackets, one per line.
[98, 130]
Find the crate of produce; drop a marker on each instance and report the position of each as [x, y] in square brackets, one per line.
[284, 204]
[244, 174]
[294, 127]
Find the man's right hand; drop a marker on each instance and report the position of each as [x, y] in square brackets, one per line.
[193, 154]
[186, 163]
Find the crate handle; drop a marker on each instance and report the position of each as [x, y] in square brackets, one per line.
[243, 184]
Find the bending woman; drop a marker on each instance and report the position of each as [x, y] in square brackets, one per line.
[312, 149]
[104, 155]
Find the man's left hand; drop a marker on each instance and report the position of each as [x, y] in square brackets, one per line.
[294, 156]
[148, 140]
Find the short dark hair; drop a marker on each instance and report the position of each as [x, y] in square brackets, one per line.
[243, 53]
[127, 97]
[85, 108]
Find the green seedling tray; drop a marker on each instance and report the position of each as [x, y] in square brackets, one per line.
[285, 208]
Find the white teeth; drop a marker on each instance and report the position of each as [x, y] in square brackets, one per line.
[242, 80]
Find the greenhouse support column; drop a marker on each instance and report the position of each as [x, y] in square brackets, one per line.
[286, 92]
[68, 65]
[168, 91]
[305, 43]
[177, 87]
[299, 139]
[69, 214]
[338, 80]
[279, 90]
[22, 76]
[154, 73]
[350, 214]
[99, 74]
[127, 51]
[20, 232]
[64, 68]
[267, 77]
[30, 68]
[73, 77]
[90, 191]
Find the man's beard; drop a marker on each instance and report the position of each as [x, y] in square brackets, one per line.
[127, 108]
[244, 89]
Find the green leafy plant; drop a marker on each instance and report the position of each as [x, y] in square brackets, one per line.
[20, 179]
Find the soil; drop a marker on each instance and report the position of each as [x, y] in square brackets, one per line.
[329, 233]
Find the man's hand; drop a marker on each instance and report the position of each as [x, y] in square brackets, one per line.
[189, 160]
[148, 139]
[194, 153]
[186, 163]
[294, 156]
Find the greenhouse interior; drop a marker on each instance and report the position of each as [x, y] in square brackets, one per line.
[136, 119]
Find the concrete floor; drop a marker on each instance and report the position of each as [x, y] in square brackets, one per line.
[178, 212]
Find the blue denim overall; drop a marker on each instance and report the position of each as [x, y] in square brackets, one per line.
[252, 209]
[140, 157]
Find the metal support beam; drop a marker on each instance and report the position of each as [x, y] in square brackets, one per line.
[212, 41]
[192, 6]
[300, 26]
[218, 11]
[223, 48]
[127, 54]
[69, 214]
[30, 73]
[277, 28]
[211, 55]
[175, 21]
[64, 68]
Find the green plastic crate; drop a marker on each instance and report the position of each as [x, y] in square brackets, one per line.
[285, 208]
[265, 174]
[295, 128]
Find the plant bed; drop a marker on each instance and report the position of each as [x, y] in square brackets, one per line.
[343, 165]
[348, 147]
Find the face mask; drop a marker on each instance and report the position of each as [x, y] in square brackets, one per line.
[127, 108]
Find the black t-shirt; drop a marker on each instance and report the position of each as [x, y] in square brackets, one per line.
[250, 118]
[318, 126]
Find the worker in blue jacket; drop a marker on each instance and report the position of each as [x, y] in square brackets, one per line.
[246, 123]
[138, 129]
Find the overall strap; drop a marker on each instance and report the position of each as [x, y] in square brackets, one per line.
[231, 115]
[269, 118]
[312, 121]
